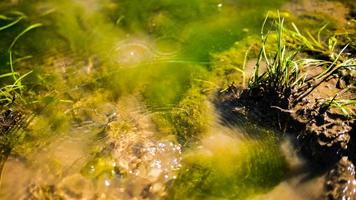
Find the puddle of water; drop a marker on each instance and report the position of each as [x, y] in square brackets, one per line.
[112, 91]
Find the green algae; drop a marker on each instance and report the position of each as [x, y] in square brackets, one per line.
[191, 117]
[101, 35]
[69, 26]
[232, 63]
[203, 28]
[99, 167]
[226, 167]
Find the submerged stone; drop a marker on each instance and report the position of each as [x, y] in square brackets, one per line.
[340, 181]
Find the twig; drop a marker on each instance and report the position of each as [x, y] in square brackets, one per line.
[283, 110]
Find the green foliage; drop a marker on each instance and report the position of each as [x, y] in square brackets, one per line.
[12, 21]
[9, 92]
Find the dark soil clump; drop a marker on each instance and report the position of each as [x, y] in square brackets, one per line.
[326, 136]
[323, 136]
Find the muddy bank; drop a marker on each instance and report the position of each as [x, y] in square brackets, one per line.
[323, 132]
[307, 94]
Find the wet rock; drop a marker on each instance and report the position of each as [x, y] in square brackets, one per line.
[73, 187]
[146, 165]
[137, 164]
[38, 192]
[340, 181]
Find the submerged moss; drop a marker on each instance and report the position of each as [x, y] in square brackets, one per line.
[226, 167]
[191, 117]
[232, 65]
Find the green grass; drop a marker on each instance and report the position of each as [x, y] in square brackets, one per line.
[11, 23]
[343, 105]
[285, 72]
[330, 69]
[282, 71]
[11, 90]
[296, 40]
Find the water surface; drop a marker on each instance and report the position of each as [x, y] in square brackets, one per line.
[120, 97]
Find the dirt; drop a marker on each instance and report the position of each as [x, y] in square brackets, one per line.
[319, 10]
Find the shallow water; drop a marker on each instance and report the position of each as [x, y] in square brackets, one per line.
[120, 93]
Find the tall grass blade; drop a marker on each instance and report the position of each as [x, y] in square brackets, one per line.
[33, 26]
